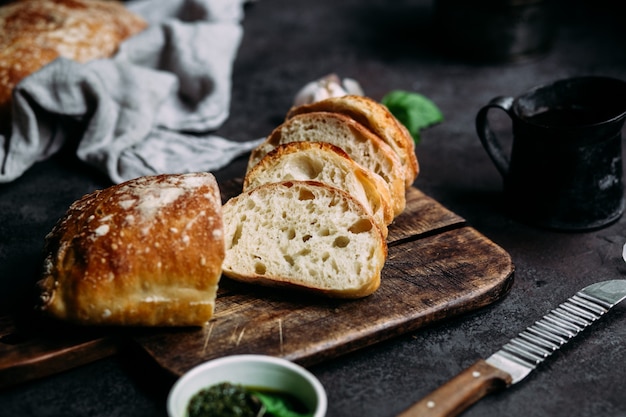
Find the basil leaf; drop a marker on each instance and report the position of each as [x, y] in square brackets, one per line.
[278, 406]
[413, 110]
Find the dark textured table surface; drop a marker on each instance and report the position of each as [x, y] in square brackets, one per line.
[385, 46]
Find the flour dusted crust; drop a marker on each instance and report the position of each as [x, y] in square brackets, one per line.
[376, 117]
[324, 162]
[146, 252]
[35, 32]
[363, 146]
[305, 235]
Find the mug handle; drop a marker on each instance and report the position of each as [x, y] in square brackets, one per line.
[488, 138]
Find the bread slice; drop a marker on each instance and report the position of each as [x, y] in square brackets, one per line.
[305, 235]
[323, 162]
[147, 252]
[376, 117]
[364, 147]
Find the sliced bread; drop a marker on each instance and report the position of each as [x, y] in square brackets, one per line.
[323, 162]
[376, 117]
[364, 147]
[305, 235]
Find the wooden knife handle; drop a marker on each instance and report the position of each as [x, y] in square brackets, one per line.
[456, 395]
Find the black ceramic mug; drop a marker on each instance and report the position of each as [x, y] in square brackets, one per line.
[565, 166]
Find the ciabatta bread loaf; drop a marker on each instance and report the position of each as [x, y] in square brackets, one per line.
[323, 162]
[364, 147]
[376, 117]
[33, 33]
[306, 235]
[147, 252]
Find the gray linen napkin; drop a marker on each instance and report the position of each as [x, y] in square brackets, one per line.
[148, 110]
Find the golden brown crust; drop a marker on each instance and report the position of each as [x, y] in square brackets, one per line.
[145, 252]
[375, 117]
[35, 32]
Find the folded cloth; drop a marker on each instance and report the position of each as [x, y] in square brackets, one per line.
[150, 109]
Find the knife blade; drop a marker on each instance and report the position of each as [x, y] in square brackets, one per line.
[522, 354]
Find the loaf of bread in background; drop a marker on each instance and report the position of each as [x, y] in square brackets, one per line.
[377, 118]
[305, 235]
[35, 32]
[323, 162]
[363, 146]
[147, 252]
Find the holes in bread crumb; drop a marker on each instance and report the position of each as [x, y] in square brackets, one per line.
[310, 167]
[250, 204]
[236, 236]
[291, 234]
[260, 268]
[306, 237]
[341, 242]
[304, 195]
[324, 232]
[361, 226]
[275, 139]
[325, 256]
[289, 259]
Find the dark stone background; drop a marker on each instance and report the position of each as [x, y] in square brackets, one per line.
[384, 45]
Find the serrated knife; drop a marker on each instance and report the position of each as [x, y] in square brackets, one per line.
[522, 354]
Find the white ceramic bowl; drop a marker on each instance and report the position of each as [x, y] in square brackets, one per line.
[249, 370]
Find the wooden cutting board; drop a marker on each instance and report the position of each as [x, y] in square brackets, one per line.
[438, 267]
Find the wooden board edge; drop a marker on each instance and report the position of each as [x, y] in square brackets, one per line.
[45, 362]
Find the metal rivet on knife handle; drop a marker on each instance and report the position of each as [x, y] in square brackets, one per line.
[523, 353]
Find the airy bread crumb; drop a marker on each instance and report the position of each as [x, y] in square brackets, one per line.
[324, 162]
[306, 235]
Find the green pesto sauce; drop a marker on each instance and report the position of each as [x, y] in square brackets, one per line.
[230, 400]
